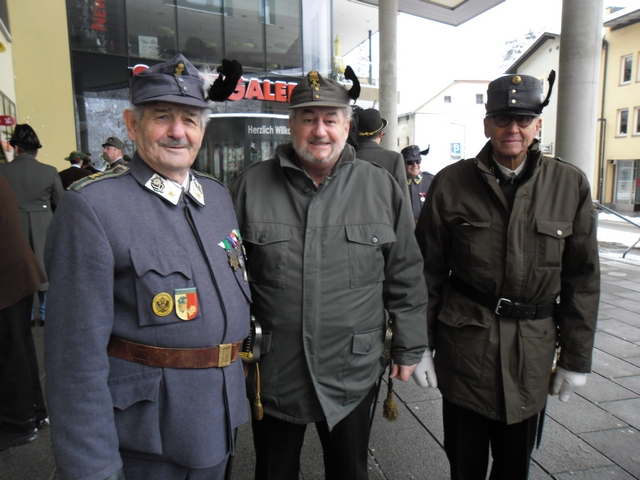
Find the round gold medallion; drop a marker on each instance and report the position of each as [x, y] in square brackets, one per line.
[516, 80]
[162, 304]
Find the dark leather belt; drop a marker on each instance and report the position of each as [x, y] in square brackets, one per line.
[503, 306]
[219, 356]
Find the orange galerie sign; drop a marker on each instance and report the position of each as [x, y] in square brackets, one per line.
[266, 90]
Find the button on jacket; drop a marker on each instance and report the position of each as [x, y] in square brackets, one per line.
[101, 406]
[324, 263]
[544, 247]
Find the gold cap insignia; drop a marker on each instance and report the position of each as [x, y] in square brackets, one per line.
[314, 78]
[162, 304]
[179, 69]
[516, 80]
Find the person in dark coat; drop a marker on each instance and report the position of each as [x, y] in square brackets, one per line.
[20, 277]
[75, 171]
[87, 164]
[39, 191]
[143, 378]
[370, 132]
[418, 182]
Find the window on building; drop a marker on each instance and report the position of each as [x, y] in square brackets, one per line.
[480, 98]
[623, 122]
[4, 19]
[447, 99]
[625, 69]
[636, 121]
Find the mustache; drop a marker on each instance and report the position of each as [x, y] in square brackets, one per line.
[175, 143]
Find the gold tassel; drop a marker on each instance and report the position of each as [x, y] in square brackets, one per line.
[258, 411]
[389, 407]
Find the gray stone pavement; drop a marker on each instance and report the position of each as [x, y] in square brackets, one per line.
[594, 436]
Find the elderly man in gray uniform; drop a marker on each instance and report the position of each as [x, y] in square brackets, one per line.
[504, 236]
[330, 246]
[143, 379]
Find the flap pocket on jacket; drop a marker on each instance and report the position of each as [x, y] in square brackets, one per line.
[160, 270]
[367, 342]
[267, 247]
[472, 243]
[131, 389]
[367, 244]
[460, 311]
[550, 242]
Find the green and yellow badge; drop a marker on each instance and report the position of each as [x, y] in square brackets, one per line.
[186, 303]
[162, 304]
[179, 69]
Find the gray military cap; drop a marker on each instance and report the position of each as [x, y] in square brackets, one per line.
[316, 91]
[517, 95]
[173, 81]
[114, 142]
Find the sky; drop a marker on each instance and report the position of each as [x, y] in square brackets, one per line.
[432, 55]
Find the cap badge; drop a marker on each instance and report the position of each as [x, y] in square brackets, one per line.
[516, 80]
[179, 69]
[314, 78]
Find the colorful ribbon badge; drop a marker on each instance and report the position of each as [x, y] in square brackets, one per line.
[186, 303]
[232, 244]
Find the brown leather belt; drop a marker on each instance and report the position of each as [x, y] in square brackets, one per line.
[219, 356]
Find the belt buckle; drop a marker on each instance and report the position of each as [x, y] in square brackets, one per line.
[499, 304]
[224, 354]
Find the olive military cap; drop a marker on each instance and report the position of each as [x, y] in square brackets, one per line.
[316, 91]
[517, 95]
[114, 142]
[76, 157]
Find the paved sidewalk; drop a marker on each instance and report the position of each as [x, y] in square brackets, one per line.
[595, 436]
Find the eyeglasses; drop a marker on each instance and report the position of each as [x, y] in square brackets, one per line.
[505, 120]
[412, 162]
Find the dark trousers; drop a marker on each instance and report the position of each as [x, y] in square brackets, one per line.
[468, 435]
[20, 392]
[345, 448]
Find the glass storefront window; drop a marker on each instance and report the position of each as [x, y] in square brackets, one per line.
[97, 26]
[244, 34]
[200, 30]
[625, 191]
[317, 37]
[283, 31]
[152, 28]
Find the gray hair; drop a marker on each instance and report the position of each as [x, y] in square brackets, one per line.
[138, 113]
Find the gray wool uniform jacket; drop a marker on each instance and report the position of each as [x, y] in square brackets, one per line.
[152, 238]
[324, 263]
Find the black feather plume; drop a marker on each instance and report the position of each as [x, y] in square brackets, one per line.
[349, 74]
[230, 72]
[552, 79]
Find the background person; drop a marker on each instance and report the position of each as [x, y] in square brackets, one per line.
[112, 152]
[417, 182]
[75, 171]
[503, 236]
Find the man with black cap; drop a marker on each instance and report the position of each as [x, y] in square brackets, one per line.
[330, 247]
[418, 182]
[112, 151]
[144, 379]
[511, 262]
[75, 171]
[370, 132]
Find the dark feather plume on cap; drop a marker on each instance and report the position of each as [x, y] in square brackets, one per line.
[349, 74]
[25, 138]
[230, 72]
[552, 80]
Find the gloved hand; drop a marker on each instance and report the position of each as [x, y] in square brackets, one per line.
[566, 382]
[425, 373]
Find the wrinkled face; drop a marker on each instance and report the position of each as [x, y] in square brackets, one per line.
[319, 134]
[168, 137]
[511, 142]
[413, 169]
[111, 153]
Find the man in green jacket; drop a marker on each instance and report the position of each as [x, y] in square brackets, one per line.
[330, 250]
[511, 263]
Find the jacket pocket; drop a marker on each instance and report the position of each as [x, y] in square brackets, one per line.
[462, 335]
[267, 247]
[472, 244]
[137, 412]
[538, 340]
[550, 242]
[360, 370]
[160, 270]
[366, 245]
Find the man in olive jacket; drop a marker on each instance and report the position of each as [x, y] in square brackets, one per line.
[330, 247]
[518, 234]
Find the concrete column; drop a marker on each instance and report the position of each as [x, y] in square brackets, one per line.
[579, 83]
[388, 91]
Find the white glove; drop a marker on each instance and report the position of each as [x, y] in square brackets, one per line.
[425, 373]
[566, 382]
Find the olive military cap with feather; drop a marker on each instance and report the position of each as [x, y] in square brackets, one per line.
[178, 81]
[316, 91]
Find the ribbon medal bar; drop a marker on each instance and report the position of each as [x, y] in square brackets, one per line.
[232, 244]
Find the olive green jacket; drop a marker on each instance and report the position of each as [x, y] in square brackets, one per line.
[544, 248]
[324, 263]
